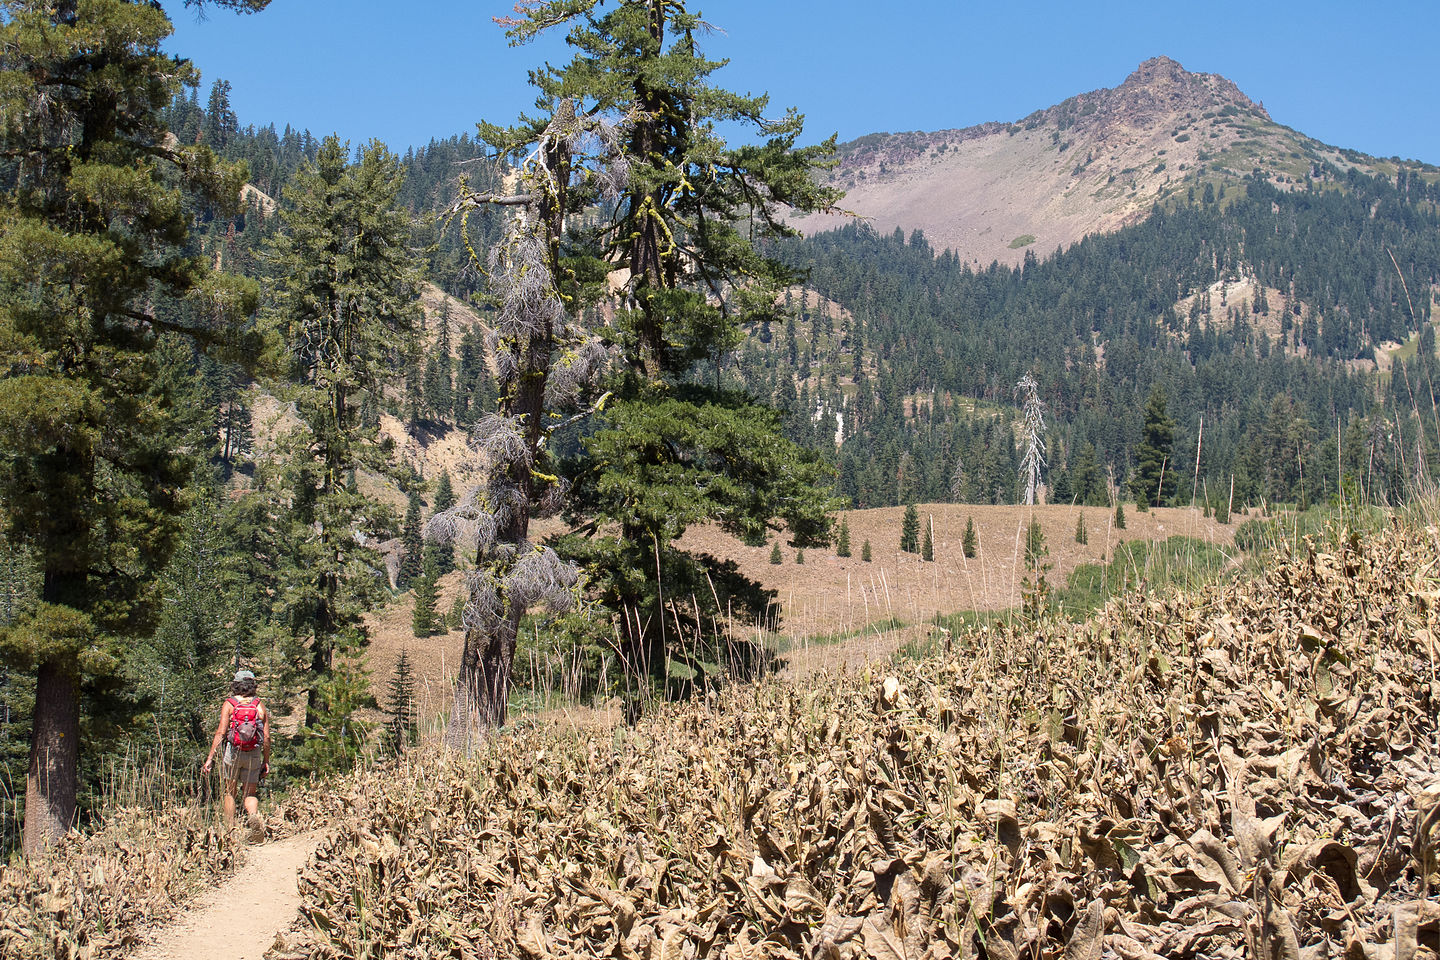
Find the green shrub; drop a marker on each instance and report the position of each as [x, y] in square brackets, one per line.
[1183, 562]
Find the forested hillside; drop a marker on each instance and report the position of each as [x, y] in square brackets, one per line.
[921, 369]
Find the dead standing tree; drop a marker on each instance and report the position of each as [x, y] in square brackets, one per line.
[545, 365]
[1032, 432]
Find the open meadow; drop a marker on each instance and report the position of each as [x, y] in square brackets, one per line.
[837, 611]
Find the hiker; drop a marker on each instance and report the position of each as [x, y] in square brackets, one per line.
[245, 729]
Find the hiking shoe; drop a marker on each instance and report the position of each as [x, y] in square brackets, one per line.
[255, 829]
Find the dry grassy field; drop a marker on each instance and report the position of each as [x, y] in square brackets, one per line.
[830, 595]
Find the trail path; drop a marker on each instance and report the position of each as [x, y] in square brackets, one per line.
[238, 919]
[849, 655]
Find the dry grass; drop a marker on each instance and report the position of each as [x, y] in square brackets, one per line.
[830, 594]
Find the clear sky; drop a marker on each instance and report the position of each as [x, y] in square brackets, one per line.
[1353, 75]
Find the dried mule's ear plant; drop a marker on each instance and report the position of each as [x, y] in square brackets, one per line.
[1250, 780]
[92, 894]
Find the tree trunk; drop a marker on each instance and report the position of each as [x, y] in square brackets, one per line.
[322, 653]
[482, 692]
[54, 776]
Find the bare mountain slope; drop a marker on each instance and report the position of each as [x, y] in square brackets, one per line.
[1094, 163]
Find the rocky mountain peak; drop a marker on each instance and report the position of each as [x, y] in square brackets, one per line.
[1161, 85]
[1095, 162]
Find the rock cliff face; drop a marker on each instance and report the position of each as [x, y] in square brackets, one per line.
[1096, 162]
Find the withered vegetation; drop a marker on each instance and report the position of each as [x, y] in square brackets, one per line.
[93, 895]
[1250, 770]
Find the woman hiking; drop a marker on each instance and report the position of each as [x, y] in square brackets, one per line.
[244, 728]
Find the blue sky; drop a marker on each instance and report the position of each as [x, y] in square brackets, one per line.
[406, 72]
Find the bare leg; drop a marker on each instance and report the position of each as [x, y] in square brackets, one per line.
[230, 788]
[252, 802]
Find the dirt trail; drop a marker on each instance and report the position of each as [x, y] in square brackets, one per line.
[851, 654]
[238, 919]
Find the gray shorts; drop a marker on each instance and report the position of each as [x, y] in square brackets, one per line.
[241, 765]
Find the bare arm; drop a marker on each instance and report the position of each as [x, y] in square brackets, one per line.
[265, 744]
[220, 729]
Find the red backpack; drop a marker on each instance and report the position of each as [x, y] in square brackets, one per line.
[245, 725]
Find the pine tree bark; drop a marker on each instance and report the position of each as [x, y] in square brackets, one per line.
[53, 779]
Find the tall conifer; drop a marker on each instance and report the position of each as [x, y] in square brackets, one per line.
[682, 208]
[410, 540]
[93, 221]
[443, 554]
[403, 713]
[427, 595]
[344, 309]
[910, 530]
[1154, 479]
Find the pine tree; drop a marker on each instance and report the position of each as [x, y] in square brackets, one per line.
[221, 123]
[1119, 515]
[444, 494]
[1085, 481]
[865, 551]
[443, 553]
[1082, 535]
[842, 542]
[201, 632]
[910, 530]
[775, 555]
[93, 254]
[1154, 479]
[1035, 589]
[439, 371]
[427, 595]
[411, 543]
[800, 557]
[969, 541]
[668, 450]
[927, 547]
[337, 731]
[403, 713]
[345, 307]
